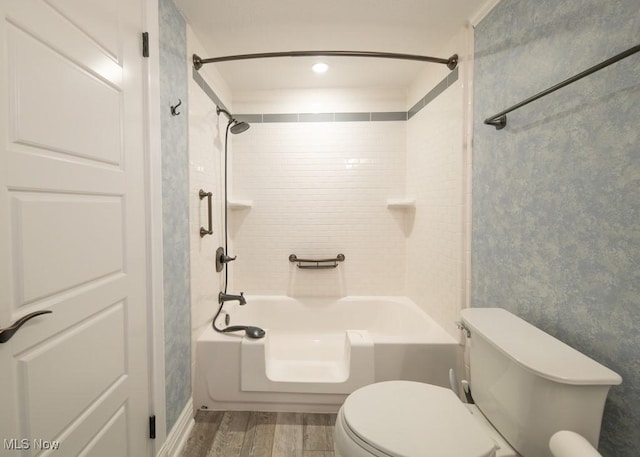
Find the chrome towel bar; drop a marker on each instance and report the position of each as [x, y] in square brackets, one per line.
[317, 264]
[499, 120]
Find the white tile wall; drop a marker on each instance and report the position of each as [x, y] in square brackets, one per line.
[206, 141]
[438, 174]
[319, 189]
[466, 77]
[435, 176]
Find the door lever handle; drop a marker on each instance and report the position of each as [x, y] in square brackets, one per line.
[7, 333]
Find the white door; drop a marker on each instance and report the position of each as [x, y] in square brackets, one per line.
[72, 236]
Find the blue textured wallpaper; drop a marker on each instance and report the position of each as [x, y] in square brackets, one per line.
[556, 194]
[175, 210]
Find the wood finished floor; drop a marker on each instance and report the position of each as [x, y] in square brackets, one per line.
[260, 434]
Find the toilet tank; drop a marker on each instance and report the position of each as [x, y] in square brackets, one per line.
[531, 385]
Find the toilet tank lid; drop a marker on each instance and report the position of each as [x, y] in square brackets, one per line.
[535, 350]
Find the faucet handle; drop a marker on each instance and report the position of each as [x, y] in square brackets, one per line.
[460, 325]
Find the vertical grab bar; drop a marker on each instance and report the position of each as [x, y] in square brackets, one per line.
[204, 231]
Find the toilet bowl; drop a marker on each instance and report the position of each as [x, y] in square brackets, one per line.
[527, 386]
[410, 419]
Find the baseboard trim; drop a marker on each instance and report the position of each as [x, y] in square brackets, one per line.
[177, 437]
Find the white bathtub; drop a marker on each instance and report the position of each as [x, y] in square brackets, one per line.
[317, 351]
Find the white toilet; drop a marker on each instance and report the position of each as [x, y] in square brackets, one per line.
[526, 385]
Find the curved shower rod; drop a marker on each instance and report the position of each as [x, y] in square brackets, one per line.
[451, 62]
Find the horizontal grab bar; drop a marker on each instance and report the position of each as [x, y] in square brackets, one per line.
[317, 266]
[318, 262]
[294, 258]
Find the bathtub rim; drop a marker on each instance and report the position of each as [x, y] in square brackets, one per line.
[436, 334]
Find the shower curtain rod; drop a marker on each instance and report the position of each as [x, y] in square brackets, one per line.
[451, 62]
[499, 121]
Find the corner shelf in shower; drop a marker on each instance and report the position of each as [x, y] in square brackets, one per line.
[239, 204]
[401, 203]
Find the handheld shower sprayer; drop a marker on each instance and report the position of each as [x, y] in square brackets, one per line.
[222, 257]
[249, 330]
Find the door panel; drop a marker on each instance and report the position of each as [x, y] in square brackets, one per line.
[71, 98]
[68, 362]
[38, 19]
[82, 232]
[112, 437]
[72, 228]
[96, 18]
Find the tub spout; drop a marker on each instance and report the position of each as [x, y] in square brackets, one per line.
[222, 297]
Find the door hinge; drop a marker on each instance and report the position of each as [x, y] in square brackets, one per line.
[145, 44]
[152, 427]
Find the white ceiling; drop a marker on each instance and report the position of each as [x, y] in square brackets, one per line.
[227, 27]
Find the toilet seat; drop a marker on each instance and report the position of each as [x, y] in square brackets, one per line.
[427, 421]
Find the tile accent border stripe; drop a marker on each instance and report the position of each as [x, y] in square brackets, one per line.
[207, 89]
[323, 117]
[433, 93]
[334, 117]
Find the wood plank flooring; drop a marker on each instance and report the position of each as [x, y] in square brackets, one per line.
[260, 434]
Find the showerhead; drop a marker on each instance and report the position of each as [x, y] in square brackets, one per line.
[239, 127]
[236, 125]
